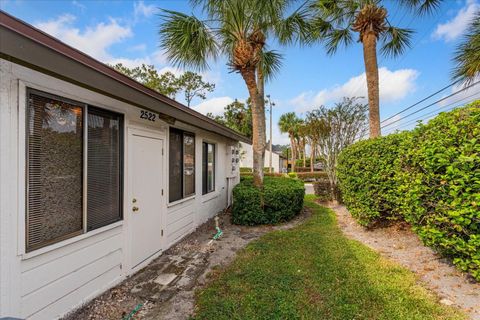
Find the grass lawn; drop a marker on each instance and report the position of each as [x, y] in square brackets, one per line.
[314, 272]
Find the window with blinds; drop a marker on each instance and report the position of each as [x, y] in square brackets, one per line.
[181, 165]
[104, 183]
[208, 167]
[56, 149]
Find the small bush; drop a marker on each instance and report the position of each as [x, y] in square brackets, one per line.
[280, 200]
[245, 169]
[293, 175]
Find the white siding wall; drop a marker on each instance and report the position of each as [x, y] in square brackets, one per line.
[246, 160]
[48, 282]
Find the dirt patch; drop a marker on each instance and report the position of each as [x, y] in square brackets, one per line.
[397, 242]
[145, 295]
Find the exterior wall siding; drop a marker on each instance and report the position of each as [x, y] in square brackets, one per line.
[246, 159]
[51, 281]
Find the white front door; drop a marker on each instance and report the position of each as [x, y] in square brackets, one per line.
[145, 205]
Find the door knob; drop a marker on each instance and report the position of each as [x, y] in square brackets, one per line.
[134, 209]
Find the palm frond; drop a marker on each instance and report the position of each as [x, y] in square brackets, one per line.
[188, 41]
[421, 6]
[295, 28]
[395, 41]
[271, 62]
[467, 54]
[336, 38]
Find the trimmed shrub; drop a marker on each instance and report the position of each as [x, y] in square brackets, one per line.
[439, 185]
[311, 176]
[430, 177]
[265, 174]
[293, 175]
[245, 169]
[280, 200]
[366, 172]
[323, 190]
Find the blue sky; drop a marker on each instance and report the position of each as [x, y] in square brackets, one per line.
[126, 31]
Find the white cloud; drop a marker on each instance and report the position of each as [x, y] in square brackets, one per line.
[214, 105]
[94, 41]
[141, 10]
[79, 5]
[394, 85]
[455, 27]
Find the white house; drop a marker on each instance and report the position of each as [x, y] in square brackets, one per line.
[246, 158]
[98, 174]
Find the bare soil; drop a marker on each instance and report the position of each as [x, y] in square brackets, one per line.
[397, 242]
[165, 289]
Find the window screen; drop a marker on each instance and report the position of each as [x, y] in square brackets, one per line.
[208, 169]
[55, 170]
[181, 164]
[104, 188]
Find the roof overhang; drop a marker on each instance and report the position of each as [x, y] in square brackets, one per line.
[23, 44]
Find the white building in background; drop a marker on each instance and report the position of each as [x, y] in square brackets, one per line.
[246, 158]
[98, 174]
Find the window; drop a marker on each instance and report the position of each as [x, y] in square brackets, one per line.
[181, 164]
[57, 183]
[208, 167]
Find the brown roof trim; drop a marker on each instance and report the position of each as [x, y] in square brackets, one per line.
[27, 45]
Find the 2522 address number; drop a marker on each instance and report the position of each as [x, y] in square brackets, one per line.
[150, 116]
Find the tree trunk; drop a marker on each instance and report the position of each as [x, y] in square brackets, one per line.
[369, 41]
[312, 156]
[294, 151]
[258, 125]
[304, 147]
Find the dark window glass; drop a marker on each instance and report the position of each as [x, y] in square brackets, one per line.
[208, 170]
[188, 164]
[181, 165]
[104, 183]
[175, 166]
[55, 170]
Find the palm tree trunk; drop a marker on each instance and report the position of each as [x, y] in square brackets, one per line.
[312, 156]
[304, 147]
[369, 41]
[258, 125]
[294, 153]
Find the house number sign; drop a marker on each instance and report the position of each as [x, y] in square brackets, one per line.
[147, 115]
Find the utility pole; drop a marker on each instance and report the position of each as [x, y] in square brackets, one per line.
[272, 104]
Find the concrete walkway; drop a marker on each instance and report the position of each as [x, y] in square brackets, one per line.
[165, 289]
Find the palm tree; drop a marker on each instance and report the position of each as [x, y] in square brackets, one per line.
[237, 30]
[289, 123]
[335, 21]
[467, 55]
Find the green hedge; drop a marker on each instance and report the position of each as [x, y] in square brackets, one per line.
[246, 169]
[366, 171]
[429, 177]
[280, 200]
[316, 175]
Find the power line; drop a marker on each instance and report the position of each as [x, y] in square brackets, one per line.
[425, 116]
[432, 104]
[417, 103]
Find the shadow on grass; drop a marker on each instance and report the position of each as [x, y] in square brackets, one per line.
[314, 272]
